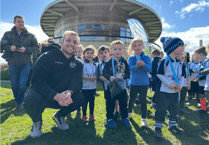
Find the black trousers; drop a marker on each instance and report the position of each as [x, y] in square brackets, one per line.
[110, 104]
[182, 97]
[89, 97]
[166, 101]
[142, 90]
[35, 103]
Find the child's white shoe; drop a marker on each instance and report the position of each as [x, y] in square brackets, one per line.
[129, 115]
[144, 123]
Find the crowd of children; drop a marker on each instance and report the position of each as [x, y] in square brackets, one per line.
[171, 76]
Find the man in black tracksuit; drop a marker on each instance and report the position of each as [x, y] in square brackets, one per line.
[56, 83]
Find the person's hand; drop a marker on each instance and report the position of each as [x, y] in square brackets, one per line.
[172, 86]
[140, 64]
[68, 96]
[13, 48]
[22, 49]
[178, 89]
[62, 99]
[112, 78]
[92, 78]
[196, 79]
[195, 71]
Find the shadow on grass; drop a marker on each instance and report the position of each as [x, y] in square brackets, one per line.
[148, 135]
[119, 135]
[196, 132]
[8, 109]
[77, 134]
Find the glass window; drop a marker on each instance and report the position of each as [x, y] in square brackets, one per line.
[97, 27]
[122, 33]
[89, 27]
[128, 34]
[122, 28]
[81, 27]
[123, 39]
[128, 30]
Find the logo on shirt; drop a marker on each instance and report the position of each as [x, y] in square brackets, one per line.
[72, 65]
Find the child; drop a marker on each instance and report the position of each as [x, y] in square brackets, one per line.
[104, 57]
[117, 67]
[89, 82]
[140, 66]
[156, 53]
[194, 90]
[207, 81]
[201, 54]
[161, 54]
[79, 54]
[186, 84]
[171, 76]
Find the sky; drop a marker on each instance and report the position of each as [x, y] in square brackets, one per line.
[186, 19]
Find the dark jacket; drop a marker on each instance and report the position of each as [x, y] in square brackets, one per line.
[108, 72]
[50, 47]
[26, 40]
[53, 73]
[155, 66]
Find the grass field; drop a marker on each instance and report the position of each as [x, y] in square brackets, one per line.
[16, 126]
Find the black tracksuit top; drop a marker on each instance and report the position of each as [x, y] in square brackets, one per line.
[53, 73]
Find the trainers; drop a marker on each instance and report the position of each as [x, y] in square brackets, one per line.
[111, 124]
[117, 116]
[198, 105]
[188, 104]
[184, 111]
[126, 123]
[20, 107]
[60, 121]
[158, 132]
[91, 117]
[129, 115]
[144, 122]
[36, 129]
[175, 130]
[84, 119]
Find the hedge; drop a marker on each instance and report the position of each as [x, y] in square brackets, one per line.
[5, 74]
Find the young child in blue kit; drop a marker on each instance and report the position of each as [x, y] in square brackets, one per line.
[171, 78]
[140, 65]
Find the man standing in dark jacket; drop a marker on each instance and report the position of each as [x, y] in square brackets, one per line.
[20, 44]
[56, 83]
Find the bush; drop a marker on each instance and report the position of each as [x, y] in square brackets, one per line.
[5, 74]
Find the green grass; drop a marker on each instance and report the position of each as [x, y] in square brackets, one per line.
[15, 127]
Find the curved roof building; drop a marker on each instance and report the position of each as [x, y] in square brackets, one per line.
[99, 20]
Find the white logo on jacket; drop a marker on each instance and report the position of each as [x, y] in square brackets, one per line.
[72, 64]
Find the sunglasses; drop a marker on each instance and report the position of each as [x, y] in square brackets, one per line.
[50, 41]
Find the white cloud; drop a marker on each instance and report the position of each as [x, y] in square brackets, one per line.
[200, 6]
[36, 30]
[190, 37]
[166, 25]
[171, 2]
